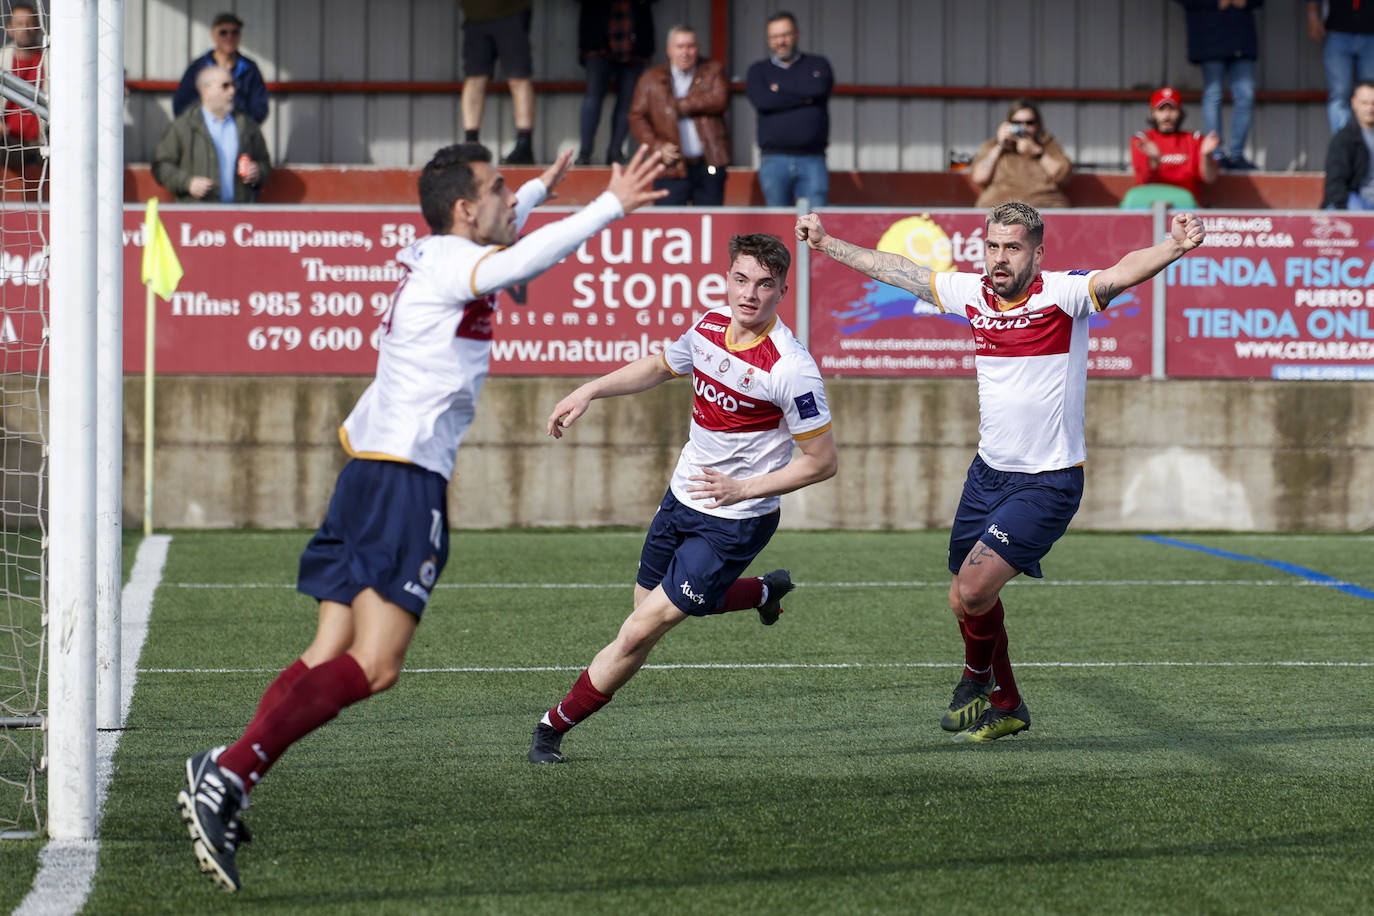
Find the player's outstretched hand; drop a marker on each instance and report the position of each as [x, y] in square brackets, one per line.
[810, 230]
[1187, 230]
[556, 172]
[567, 411]
[634, 182]
[717, 487]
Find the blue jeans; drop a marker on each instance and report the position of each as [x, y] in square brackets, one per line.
[1240, 74]
[1339, 53]
[600, 71]
[785, 179]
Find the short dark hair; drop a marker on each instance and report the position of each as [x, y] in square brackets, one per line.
[768, 250]
[223, 18]
[781, 14]
[1360, 84]
[445, 180]
[23, 5]
[1016, 213]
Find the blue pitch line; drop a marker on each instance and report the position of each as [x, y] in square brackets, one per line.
[1309, 574]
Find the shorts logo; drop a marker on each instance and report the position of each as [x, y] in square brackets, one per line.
[999, 534]
[806, 406]
[686, 587]
[417, 591]
[429, 571]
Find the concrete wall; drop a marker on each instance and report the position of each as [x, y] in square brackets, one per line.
[263, 452]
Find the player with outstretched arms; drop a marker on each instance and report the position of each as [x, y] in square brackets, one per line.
[373, 563]
[1030, 332]
[757, 394]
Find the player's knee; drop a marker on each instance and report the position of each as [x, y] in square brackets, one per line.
[974, 598]
[381, 675]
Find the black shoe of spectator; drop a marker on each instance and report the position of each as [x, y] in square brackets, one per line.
[1238, 164]
[583, 159]
[614, 158]
[521, 154]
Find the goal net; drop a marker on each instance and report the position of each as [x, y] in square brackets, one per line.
[23, 416]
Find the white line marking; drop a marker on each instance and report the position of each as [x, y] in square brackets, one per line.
[899, 583]
[66, 868]
[746, 666]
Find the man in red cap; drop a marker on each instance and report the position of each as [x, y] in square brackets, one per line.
[1166, 155]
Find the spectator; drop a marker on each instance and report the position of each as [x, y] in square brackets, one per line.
[24, 57]
[213, 152]
[791, 92]
[615, 40]
[1022, 162]
[1349, 185]
[1347, 39]
[679, 112]
[498, 29]
[1222, 40]
[250, 92]
[1166, 155]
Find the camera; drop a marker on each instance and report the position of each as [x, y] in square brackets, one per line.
[1018, 130]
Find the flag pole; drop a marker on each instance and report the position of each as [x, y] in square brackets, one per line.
[149, 339]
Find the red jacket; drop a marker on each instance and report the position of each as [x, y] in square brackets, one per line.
[654, 113]
[1180, 159]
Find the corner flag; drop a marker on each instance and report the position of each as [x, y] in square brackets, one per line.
[161, 269]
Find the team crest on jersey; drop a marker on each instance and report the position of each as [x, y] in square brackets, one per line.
[724, 366]
[746, 381]
[429, 571]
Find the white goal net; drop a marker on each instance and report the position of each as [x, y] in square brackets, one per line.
[23, 416]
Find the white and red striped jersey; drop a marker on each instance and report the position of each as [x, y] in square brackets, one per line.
[750, 402]
[435, 338]
[1032, 361]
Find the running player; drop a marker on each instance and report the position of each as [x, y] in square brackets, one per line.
[758, 391]
[1030, 332]
[374, 561]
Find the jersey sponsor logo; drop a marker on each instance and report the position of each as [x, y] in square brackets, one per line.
[1048, 331]
[724, 366]
[692, 596]
[1079, 273]
[999, 533]
[806, 405]
[721, 397]
[709, 326]
[476, 321]
[989, 323]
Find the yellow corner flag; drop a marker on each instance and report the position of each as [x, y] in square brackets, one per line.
[161, 269]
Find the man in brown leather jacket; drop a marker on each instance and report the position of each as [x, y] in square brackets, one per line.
[679, 111]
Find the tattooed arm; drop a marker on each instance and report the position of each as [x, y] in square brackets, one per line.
[890, 268]
[1185, 234]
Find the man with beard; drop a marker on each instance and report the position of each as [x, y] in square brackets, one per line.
[1030, 333]
[1166, 155]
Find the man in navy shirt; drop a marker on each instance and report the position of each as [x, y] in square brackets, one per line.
[791, 90]
[250, 92]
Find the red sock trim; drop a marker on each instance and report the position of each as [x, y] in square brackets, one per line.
[742, 594]
[581, 702]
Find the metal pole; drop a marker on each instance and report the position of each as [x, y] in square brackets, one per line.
[1159, 227]
[803, 329]
[109, 454]
[72, 387]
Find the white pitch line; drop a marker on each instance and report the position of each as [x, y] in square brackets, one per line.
[912, 583]
[66, 868]
[748, 666]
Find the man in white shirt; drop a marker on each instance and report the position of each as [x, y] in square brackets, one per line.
[757, 393]
[375, 559]
[1030, 330]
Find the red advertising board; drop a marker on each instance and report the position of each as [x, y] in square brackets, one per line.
[862, 327]
[1283, 296]
[293, 291]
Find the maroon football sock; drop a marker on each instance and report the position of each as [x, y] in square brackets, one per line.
[581, 702]
[988, 631]
[318, 696]
[280, 687]
[980, 641]
[742, 595]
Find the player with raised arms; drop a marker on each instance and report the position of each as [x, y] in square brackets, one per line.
[373, 563]
[1030, 333]
[757, 393]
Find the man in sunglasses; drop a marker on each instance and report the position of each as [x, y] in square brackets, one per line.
[250, 92]
[212, 153]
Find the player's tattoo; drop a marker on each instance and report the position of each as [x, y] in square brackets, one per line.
[976, 555]
[1105, 292]
[881, 265]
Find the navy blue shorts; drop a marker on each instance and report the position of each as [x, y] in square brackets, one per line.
[386, 529]
[696, 557]
[1019, 516]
